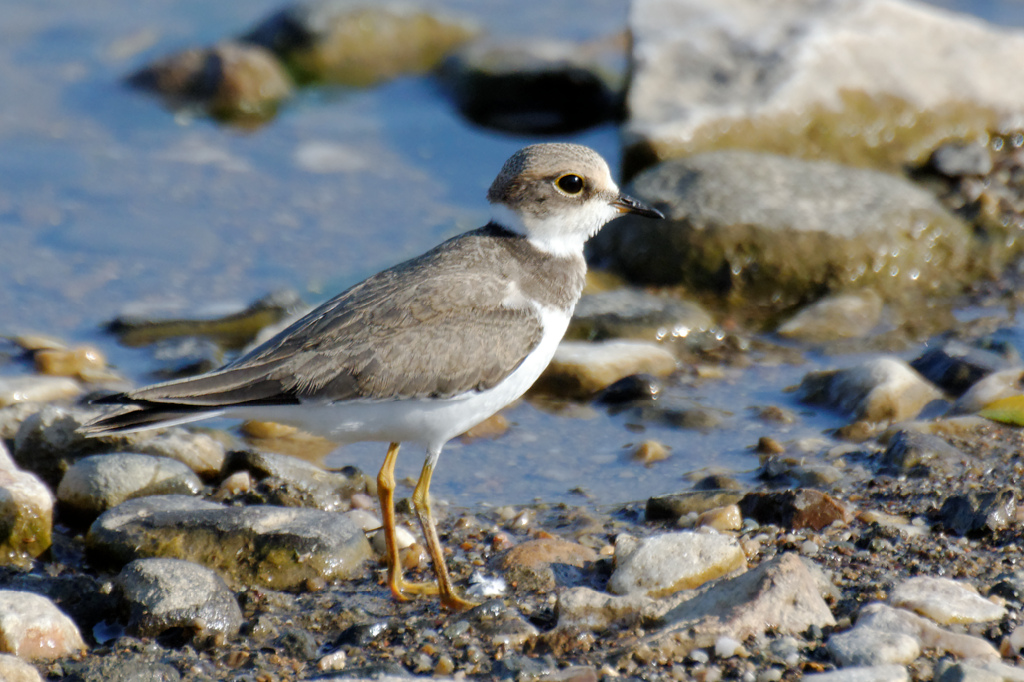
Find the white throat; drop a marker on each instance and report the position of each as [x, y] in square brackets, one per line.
[559, 234]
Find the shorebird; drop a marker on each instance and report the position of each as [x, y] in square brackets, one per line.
[423, 350]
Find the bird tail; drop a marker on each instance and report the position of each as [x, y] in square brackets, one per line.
[134, 416]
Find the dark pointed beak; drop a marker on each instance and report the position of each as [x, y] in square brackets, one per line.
[627, 204]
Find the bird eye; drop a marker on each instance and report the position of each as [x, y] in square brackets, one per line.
[570, 183]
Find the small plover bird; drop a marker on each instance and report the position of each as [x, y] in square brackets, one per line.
[426, 349]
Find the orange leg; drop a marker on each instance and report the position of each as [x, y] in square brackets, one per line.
[421, 501]
[386, 493]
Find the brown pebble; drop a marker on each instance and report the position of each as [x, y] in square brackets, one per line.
[413, 557]
[69, 363]
[362, 501]
[445, 665]
[766, 445]
[722, 518]
[492, 427]
[650, 451]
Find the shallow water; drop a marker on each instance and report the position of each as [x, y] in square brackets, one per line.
[107, 200]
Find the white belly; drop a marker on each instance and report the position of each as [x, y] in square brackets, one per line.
[429, 422]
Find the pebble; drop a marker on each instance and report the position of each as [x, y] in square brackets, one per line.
[979, 513]
[883, 389]
[403, 536]
[954, 159]
[14, 669]
[889, 672]
[650, 452]
[277, 547]
[579, 369]
[292, 482]
[635, 314]
[997, 385]
[582, 608]
[32, 627]
[634, 388]
[82, 362]
[727, 647]
[945, 601]
[920, 454]
[724, 518]
[795, 509]
[543, 564]
[955, 366]
[161, 594]
[841, 316]
[99, 482]
[37, 389]
[26, 514]
[663, 564]
[977, 671]
[675, 505]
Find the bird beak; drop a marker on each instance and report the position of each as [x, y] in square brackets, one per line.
[627, 204]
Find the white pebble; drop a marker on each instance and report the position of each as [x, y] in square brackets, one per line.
[726, 647]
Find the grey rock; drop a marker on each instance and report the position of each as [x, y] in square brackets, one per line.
[161, 594]
[919, 454]
[580, 369]
[631, 313]
[48, 442]
[955, 366]
[945, 601]
[274, 547]
[977, 671]
[538, 86]
[124, 668]
[892, 85]
[784, 593]
[883, 389]
[292, 482]
[634, 388]
[669, 562]
[781, 231]
[864, 646]
[956, 159]
[96, 483]
[979, 513]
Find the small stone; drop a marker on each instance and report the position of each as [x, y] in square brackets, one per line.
[332, 662]
[32, 627]
[956, 159]
[795, 509]
[727, 647]
[919, 454]
[581, 608]
[841, 316]
[164, 594]
[955, 366]
[26, 514]
[35, 389]
[80, 362]
[99, 482]
[664, 564]
[721, 518]
[292, 482]
[879, 390]
[651, 451]
[542, 565]
[995, 386]
[237, 483]
[13, 669]
[675, 505]
[231, 80]
[634, 388]
[635, 314]
[580, 369]
[945, 601]
[402, 534]
[979, 513]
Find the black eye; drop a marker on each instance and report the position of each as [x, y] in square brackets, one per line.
[570, 184]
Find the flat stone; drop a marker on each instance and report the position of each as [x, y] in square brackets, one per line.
[292, 482]
[945, 601]
[663, 564]
[37, 389]
[543, 564]
[841, 316]
[920, 454]
[580, 369]
[783, 594]
[230, 80]
[161, 594]
[795, 509]
[359, 43]
[635, 314]
[26, 514]
[864, 646]
[955, 366]
[32, 627]
[890, 672]
[538, 85]
[896, 80]
[675, 505]
[13, 669]
[883, 389]
[582, 608]
[99, 482]
[276, 547]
